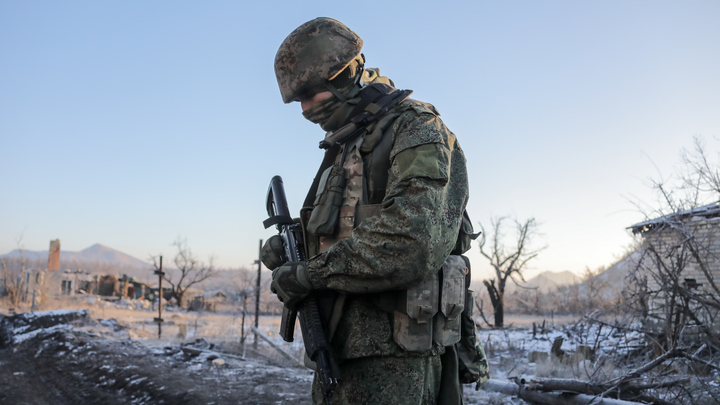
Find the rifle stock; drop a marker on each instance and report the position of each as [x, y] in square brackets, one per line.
[314, 335]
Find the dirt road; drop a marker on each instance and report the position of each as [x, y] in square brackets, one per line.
[70, 357]
[74, 367]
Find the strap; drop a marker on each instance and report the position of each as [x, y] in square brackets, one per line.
[335, 92]
[369, 95]
[379, 167]
[375, 100]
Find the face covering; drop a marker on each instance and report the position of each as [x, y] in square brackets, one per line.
[333, 113]
[320, 113]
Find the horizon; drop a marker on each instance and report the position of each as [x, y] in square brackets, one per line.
[137, 123]
[170, 264]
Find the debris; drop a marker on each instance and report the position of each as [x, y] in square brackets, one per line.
[17, 328]
[537, 357]
[549, 398]
[191, 351]
[556, 350]
[218, 362]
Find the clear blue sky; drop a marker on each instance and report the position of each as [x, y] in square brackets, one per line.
[132, 123]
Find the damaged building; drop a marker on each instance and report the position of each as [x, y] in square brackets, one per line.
[680, 266]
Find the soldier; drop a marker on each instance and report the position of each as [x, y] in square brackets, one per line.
[383, 223]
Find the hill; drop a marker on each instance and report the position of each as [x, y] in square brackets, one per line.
[96, 253]
[615, 278]
[546, 282]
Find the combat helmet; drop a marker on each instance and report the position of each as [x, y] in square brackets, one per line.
[314, 54]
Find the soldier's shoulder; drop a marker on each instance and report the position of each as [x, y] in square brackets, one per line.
[415, 107]
[419, 123]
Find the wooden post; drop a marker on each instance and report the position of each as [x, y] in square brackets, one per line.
[257, 294]
[159, 319]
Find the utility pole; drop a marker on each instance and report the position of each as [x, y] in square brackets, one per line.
[159, 319]
[257, 294]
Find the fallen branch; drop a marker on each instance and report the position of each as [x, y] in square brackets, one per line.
[587, 387]
[550, 398]
[694, 358]
[661, 384]
[672, 353]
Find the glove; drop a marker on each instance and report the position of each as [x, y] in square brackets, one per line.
[272, 253]
[291, 283]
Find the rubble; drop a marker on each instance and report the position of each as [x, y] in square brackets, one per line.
[20, 327]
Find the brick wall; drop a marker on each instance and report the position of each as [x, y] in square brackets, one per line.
[706, 233]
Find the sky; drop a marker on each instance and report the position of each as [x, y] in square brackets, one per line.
[134, 123]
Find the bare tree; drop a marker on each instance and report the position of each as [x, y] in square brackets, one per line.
[244, 288]
[507, 261]
[700, 177]
[191, 270]
[15, 287]
[674, 244]
[674, 294]
[673, 290]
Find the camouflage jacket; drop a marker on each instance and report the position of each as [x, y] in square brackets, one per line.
[415, 231]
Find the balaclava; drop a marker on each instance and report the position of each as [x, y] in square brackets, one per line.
[331, 113]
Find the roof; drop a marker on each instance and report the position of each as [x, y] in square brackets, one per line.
[706, 211]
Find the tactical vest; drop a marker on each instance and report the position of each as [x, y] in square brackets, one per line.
[346, 195]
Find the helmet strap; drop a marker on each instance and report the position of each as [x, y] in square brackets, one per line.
[357, 82]
[335, 92]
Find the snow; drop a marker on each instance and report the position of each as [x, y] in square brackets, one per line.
[57, 312]
[25, 336]
[604, 341]
[137, 380]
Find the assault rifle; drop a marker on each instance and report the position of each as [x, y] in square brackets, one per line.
[315, 339]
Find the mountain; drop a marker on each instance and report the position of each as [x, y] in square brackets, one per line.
[613, 280]
[95, 253]
[547, 281]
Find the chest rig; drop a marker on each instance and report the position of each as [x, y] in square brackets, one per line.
[350, 187]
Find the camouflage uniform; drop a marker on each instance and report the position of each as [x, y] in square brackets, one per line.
[410, 238]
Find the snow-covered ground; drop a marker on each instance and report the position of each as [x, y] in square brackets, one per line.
[113, 339]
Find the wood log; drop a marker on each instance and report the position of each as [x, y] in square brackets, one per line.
[550, 398]
[627, 389]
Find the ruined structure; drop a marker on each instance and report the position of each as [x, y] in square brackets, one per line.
[680, 268]
[54, 255]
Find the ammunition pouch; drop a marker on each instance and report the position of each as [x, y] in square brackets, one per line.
[413, 318]
[328, 202]
[430, 311]
[452, 301]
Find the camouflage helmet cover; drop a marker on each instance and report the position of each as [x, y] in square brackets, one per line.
[313, 54]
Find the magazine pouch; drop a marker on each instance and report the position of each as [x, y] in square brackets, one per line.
[328, 201]
[447, 329]
[413, 317]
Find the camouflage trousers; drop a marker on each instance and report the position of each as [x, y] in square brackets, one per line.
[386, 381]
